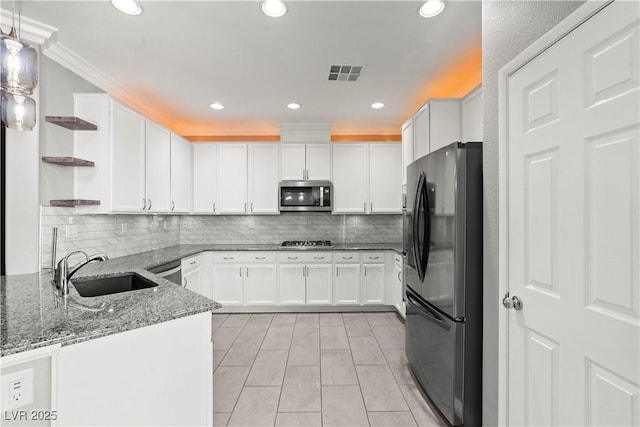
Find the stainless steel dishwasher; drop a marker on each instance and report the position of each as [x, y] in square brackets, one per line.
[171, 271]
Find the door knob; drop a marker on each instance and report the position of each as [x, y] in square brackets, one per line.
[512, 302]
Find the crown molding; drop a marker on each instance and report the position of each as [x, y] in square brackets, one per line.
[30, 30]
[72, 61]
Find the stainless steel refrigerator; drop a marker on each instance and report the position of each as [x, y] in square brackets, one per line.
[443, 279]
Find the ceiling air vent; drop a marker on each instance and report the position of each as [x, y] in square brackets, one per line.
[345, 73]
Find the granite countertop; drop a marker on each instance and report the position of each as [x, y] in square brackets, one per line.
[31, 316]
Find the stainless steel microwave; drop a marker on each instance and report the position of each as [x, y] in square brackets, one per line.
[305, 195]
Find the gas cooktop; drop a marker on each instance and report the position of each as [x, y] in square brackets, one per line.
[306, 243]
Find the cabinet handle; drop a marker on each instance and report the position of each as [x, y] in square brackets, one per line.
[365, 271]
[245, 206]
[144, 207]
[240, 271]
[399, 273]
[185, 282]
[374, 257]
[149, 208]
[192, 262]
[303, 271]
[173, 205]
[292, 257]
[371, 207]
[337, 271]
[260, 257]
[251, 206]
[247, 271]
[365, 207]
[318, 257]
[214, 206]
[347, 257]
[304, 175]
[227, 257]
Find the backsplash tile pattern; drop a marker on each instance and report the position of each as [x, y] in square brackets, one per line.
[104, 233]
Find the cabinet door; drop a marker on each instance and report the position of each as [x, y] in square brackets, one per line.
[421, 132]
[293, 161]
[292, 284]
[472, 117]
[204, 178]
[319, 284]
[232, 178]
[385, 178]
[397, 290]
[261, 284]
[319, 162]
[157, 167]
[180, 175]
[193, 280]
[445, 117]
[346, 284]
[349, 178]
[227, 284]
[407, 148]
[263, 178]
[373, 280]
[128, 171]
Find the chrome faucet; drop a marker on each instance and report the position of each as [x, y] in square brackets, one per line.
[63, 273]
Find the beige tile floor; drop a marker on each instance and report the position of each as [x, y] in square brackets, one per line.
[314, 369]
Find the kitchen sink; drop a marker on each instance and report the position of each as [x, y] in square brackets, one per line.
[111, 285]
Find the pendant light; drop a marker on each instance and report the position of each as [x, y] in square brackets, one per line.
[18, 78]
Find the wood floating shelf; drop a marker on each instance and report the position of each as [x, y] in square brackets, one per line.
[68, 161]
[66, 203]
[69, 122]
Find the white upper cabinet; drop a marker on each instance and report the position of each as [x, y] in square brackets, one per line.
[180, 175]
[204, 178]
[436, 124]
[385, 178]
[350, 184]
[305, 161]
[231, 173]
[407, 148]
[472, 126]
[263, 178]
[128, 163]
[157, 167]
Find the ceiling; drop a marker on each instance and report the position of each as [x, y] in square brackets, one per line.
[180, 56]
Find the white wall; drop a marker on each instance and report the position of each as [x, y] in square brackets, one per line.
[508, 27]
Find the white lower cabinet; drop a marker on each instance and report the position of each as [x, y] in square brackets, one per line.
[305, 278]
[192, 274]
[245, 278]
[397, 289]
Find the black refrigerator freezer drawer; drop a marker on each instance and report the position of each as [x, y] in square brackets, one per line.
[434, 347]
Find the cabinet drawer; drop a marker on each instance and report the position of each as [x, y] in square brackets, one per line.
[347, 257]
[304, 257]
[373, 257]
[244, 257]
[191, 263]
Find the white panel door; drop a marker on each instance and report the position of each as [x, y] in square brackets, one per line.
[127, 164]
[204, 178]
[319, 284]
[232, 178]
[157, 167]
[228, 287]
[319, 162]
[373, 283]
[180, 175]
[421, 132]
[292, 284]
[573, 236]
[263, 179]
[385, 178]
[350, 188]
[346, 284]
[292, 161]
[261, 284]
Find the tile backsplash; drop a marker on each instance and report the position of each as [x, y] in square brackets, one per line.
[119, 235]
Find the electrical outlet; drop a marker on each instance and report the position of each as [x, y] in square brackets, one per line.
[354, 222]
[125, 227]
[252, 225]
[17, 389]
[71, 231]
[164, 225]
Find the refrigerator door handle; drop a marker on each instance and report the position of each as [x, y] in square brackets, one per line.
[422, 199]
[429, 313]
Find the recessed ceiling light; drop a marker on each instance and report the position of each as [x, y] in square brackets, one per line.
[377, 105]
[293, 106]
[129, 7]
[431, 8]
[216, 106]
[274, 8]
